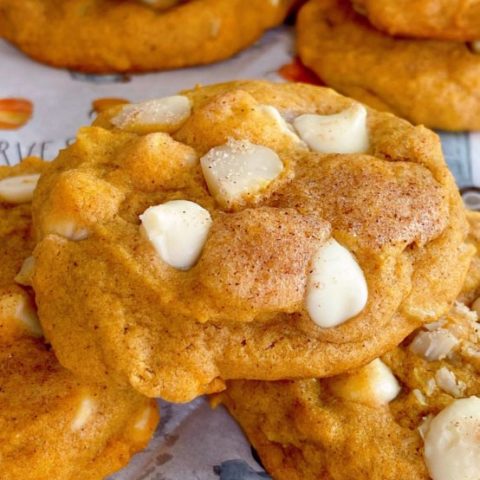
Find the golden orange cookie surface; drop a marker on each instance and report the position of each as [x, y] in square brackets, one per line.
[425, 81]
[431, 19]
[187, 258]
[407, 415]
[51, 424]
[130, 36]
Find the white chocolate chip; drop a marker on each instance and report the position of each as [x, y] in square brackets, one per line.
[282, 124]
[434, 345]
[27, 316]
[470, 314]
[178, 230]
[143, 419]
[475, 46]
[163, 114]
[238, 169]
[374, 384]
[447, 381]
[435, 325]
[424, 426]
[430, 386]
[452, 442]
[18, 314]
[68, 229]
[336, 288]
[344, 132]
[476, 306]
[84, 412]
[472, 352]
[24, 276]
[18, 189]
[143, 423]
[419, 396]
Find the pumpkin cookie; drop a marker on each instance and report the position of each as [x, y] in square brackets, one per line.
[243, 230]
[162, 4]
[51, 424]
[427, 82]
[471, 288]
[433, 19]
[132, 36]
[414, 414]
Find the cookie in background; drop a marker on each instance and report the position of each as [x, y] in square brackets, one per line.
[432, 19]
[103, 36]
[429, 82]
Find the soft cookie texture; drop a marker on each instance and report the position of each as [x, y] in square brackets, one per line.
[53, 426]
[432, 19]
[409, 415]
[471, 288]
[117, 298]
[133, 36]
[425, 81]
[161, 4]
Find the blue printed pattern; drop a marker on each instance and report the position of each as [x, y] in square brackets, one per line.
[238, 470]
[456, 148]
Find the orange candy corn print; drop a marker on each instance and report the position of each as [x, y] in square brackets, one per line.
[14, 113]
[101, 104]
[298, 72]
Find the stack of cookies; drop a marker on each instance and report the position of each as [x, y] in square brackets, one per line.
[416, 58]
[291, 252]
[53, 425]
